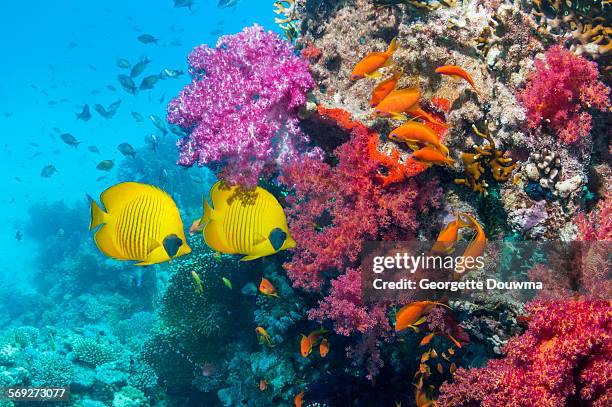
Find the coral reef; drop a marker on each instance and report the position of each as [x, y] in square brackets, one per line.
[559, 360]
[559, 93]
[240, 107]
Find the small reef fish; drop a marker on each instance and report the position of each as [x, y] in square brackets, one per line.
[19, 236]
[126, 149]
[170, 73]
[417, 112]
[299, 399]
[227, 282]
[250, 229]
[263, 385]
[141, 223]
[310, 341]
[477, 246]
[85, 114]
[385, 87]
[102, 111]
[371, 63]
[195, 227]
[159, 123]
[147, 39]
[447, 238]
[123, 63]
[431, 156]
[137, 116]
[266, 288]
[263, 337]
[139, 67]
[69, 139]
[415, 134]
[127, 83]
[458, 73]
[105, 165]
[226, 3]
[184, 3]
[426, 339]
[47, 171]
[197, 281]
[398, 102]
[413, 314]
[324, 348]
[149, 82]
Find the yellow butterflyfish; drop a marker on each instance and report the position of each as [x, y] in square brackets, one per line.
[140, 222]
[255, 227]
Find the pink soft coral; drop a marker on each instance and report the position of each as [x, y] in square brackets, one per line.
[559, 92]
[562, 359]
[240, 107]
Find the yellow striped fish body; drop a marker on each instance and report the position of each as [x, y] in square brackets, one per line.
[141, 223]
[254, 227]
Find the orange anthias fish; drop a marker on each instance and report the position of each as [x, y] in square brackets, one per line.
[324, 348]
[371, 63]
[299, 399]
[413, 314]
[458, 72]
[266, 288]
[398, 102]
[195, 227]
[447, 237]
[415, 134]
[305, 346]
[417, 111]
[431, 156]
[263, 385]
[477, 245]
[263, 337]
[385, 87]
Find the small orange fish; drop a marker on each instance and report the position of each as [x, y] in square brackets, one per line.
[431, 156]
[453, 367]
[447, 238]
[439, 368]
[385, 87]
[411, 315]
[324, 348]
[422, 400]
[299, 399]
[398, 102]
[415, 134]
[195, 227]
[426, 339]
[477, 246]
[371, 63]
[434, 354]
[458, 72]
[456, 342]
[417, 111]
[263, 385]
[451, 351]
[266, 288]
[263, 337]
[315, 335]
[305, 346]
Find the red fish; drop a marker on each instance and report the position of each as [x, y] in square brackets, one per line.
[371, 63]
[299, 399]
[458, 72]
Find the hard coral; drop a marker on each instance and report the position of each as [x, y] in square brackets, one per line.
[562, 359]
[559, 92]
[486, 156]
[240, 107]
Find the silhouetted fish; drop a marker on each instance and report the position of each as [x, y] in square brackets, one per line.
[69, 139]
[127, 83]
[123, 63]
[148, 82]
[105, 165]
[93, 149]
[184, 3]
[147, 39]
[159, 123]
[47, 171]
[137, 116]
[85, 115]
[126, 149]
[139, 67]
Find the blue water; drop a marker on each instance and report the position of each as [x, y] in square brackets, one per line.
[56, 56]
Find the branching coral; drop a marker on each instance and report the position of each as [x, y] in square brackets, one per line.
[559, 92]
[240, 107]
[486, 156]
[562, 359]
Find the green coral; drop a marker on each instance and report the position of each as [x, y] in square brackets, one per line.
[51, 369]
[130, 396]
[92, 352]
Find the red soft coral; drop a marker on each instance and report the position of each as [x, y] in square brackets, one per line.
[559, 92]
[562, 359]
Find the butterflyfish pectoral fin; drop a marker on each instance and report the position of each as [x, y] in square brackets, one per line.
[153, 244]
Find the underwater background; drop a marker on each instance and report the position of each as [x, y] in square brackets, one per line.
[452, 123]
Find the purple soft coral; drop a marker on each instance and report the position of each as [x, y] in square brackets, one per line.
[241, 105]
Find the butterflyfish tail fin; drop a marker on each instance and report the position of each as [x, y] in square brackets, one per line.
[98, 216]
